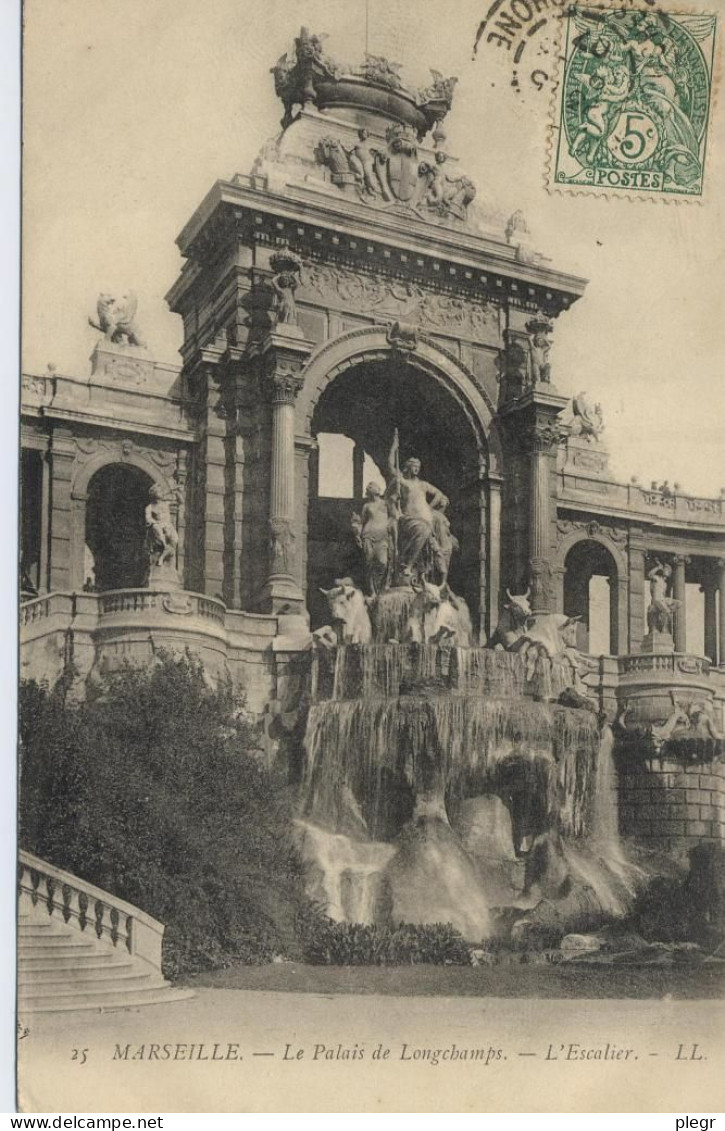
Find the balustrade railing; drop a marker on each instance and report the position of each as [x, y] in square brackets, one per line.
[128, 601]
[87, 909]
[674, 662]
[35, 610]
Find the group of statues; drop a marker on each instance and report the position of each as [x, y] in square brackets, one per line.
[403, 531]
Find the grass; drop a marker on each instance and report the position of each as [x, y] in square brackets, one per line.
[572, 980]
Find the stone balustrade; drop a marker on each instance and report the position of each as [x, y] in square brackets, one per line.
[101, 631]
[88, 909]
[674, 662]
[634, 499]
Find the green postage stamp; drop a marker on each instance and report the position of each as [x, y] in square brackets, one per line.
[634, 101]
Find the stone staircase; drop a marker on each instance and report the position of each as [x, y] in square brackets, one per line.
[79, 948]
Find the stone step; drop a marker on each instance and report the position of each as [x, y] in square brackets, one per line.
[31, 927]
[82, 974]
[53, 1003]
[93, 960]
[66, 950]
[57, 938]
[60, 990]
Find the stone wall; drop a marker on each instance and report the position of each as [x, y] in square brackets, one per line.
[670, 806]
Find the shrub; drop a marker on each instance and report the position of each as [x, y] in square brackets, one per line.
[360, 944]
[154, 790]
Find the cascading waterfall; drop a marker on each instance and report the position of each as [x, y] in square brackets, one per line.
[399, 735]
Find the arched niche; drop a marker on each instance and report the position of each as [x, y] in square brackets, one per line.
[594, 588]
[360, 387]
[114, 553]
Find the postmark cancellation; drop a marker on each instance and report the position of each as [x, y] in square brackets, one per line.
[633, 103]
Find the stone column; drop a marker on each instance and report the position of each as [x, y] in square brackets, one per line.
[636, 611]
[545, 439]
[493, 551]
[44, 567]
[358, 471]
[62, 457]
[721, 618]
[212, 456]
[680, 594]
[709, 588]
[282, 380]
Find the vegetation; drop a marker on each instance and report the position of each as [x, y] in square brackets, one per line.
[360, 944]
[153, 789]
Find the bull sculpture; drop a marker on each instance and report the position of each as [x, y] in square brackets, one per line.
[519, 628]
[348, 613]
[437, 617]
[544, 639]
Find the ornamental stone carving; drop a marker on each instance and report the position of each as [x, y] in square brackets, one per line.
[281, 545]
[402, 337]
[584, 418]
[286, 266]
[388, 172]
[545, 435]
[283, 383]
[539, 328]
[592, 529]
[308, 76]
[405, 300]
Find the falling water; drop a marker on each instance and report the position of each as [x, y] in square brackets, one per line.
[398, 732]
[346, 873]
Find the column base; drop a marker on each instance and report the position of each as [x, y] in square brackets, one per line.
[282, 594]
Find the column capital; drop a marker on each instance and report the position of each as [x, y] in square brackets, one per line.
[681, 559]
[283, 383]
[545, 435]
[720, 562]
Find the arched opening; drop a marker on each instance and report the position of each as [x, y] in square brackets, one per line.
[115, 556]
[354, 421]
[31, 500]
[590, 591]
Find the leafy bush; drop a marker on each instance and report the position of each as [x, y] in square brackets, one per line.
[153, 789]
[360, 944]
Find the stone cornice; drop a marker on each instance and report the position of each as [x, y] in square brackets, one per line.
[648, 527]
[307, 220]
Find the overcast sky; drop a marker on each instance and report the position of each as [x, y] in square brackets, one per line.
[133, 110]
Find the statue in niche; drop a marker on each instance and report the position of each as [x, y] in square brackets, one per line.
[539, 329]
[424, 540]
[662, 607]
[116, 319]
[284, 283]
[375, 532]
[161, 536]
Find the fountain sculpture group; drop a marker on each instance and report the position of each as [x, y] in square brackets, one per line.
[445, 780]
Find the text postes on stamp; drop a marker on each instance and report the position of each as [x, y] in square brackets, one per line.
[634, 101]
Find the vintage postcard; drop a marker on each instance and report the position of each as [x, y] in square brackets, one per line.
[372, 557]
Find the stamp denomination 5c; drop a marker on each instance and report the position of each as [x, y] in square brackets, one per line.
[634, 102]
